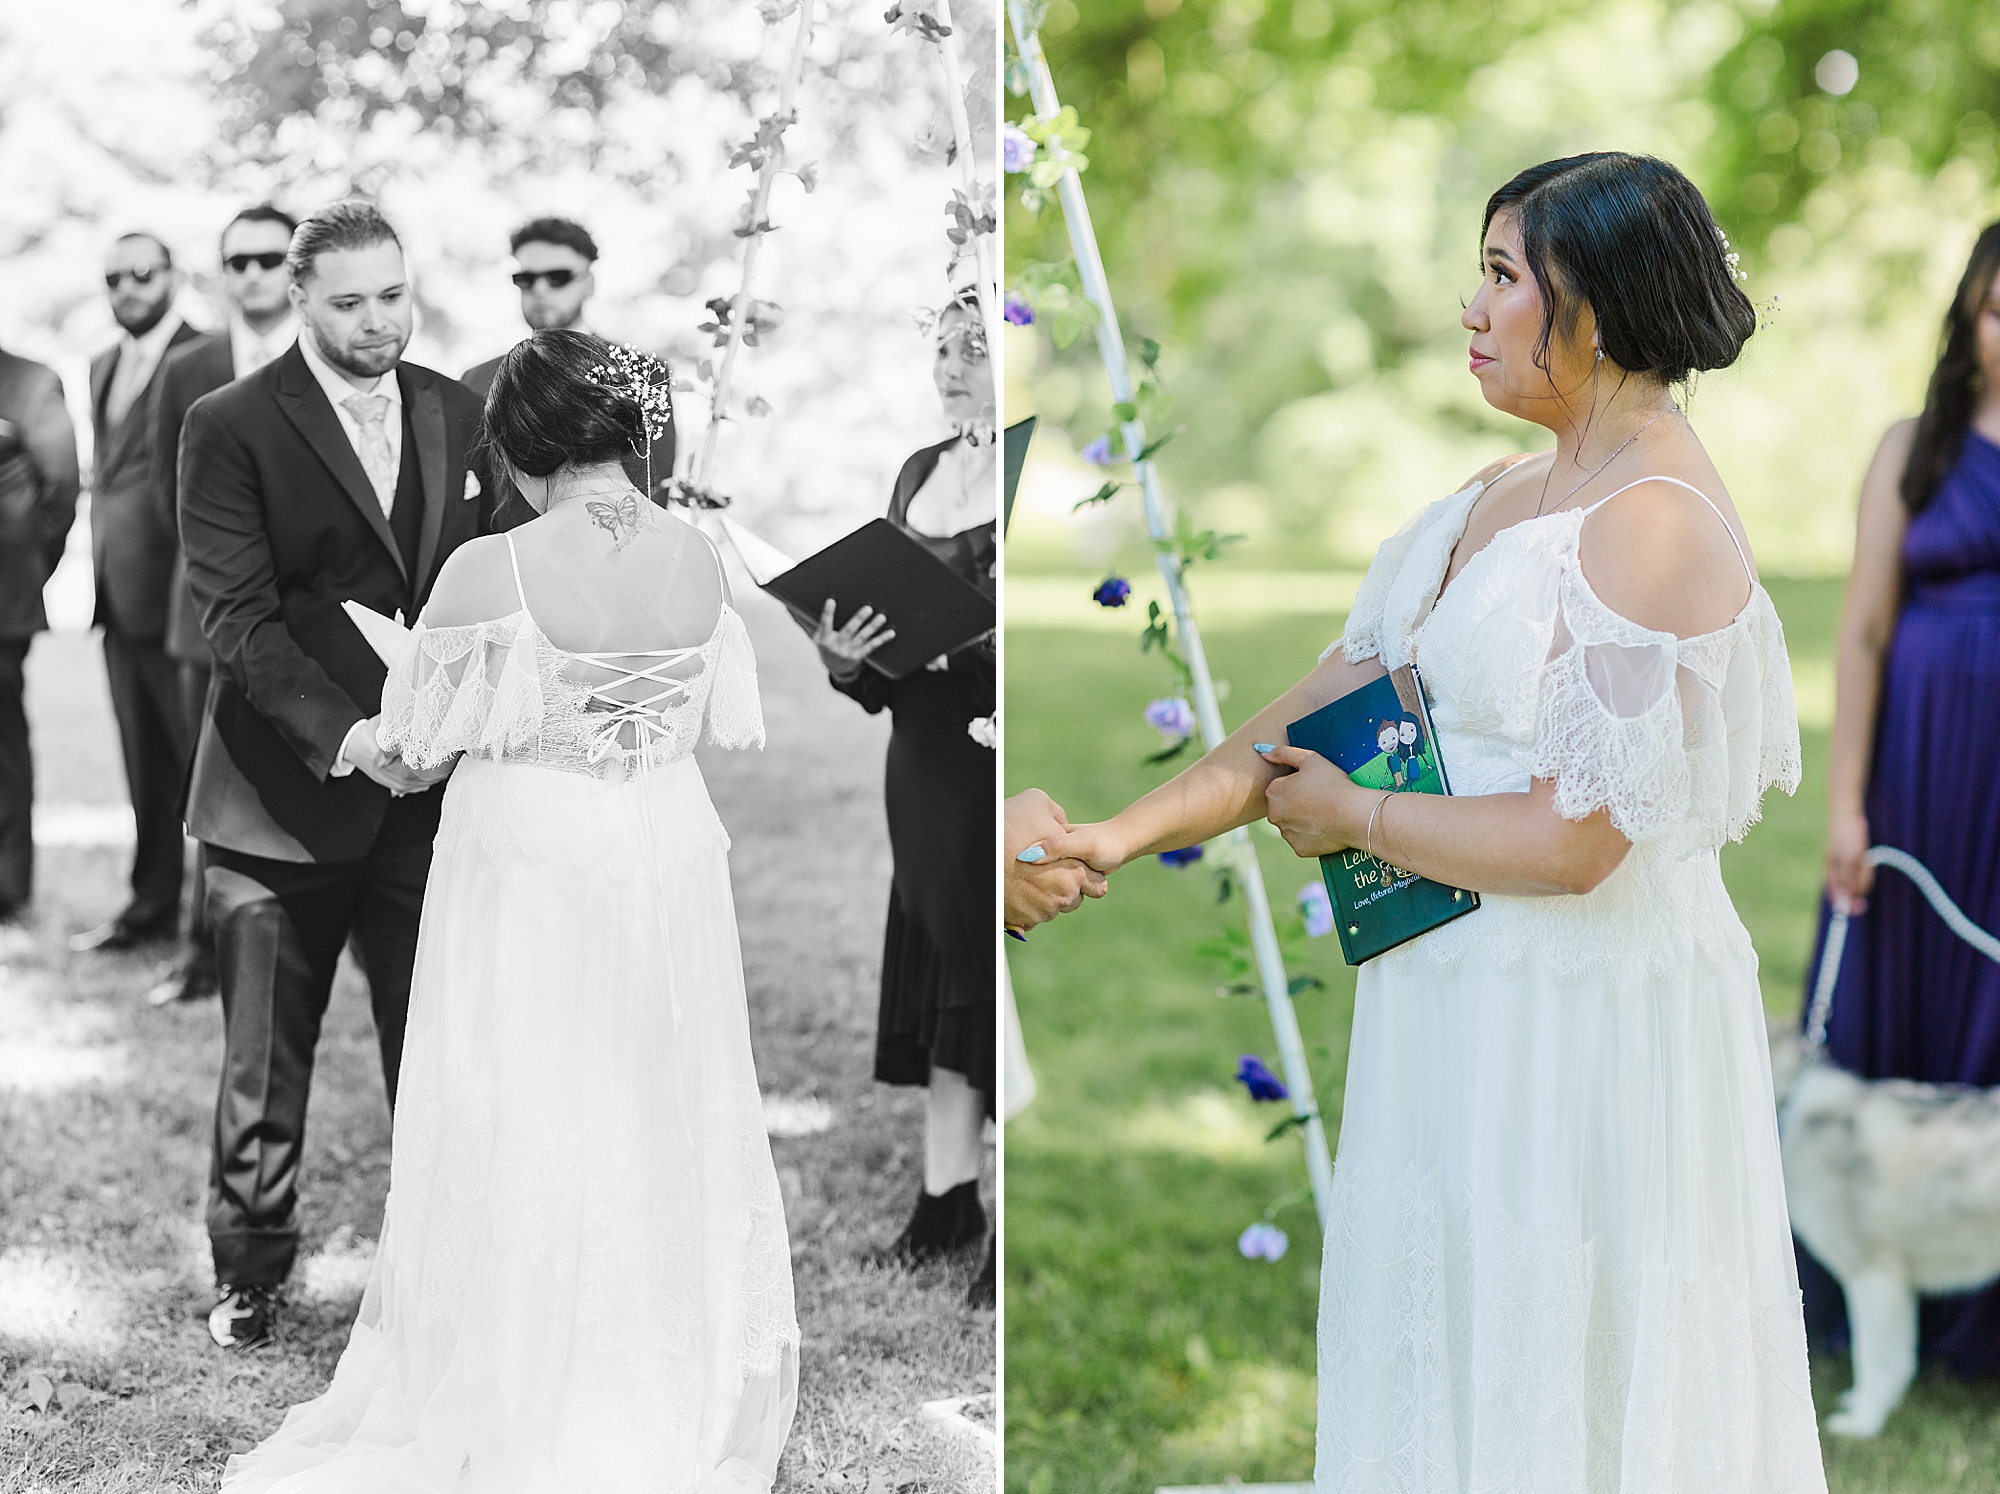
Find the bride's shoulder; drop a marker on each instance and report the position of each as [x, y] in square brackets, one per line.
[1667, 557]
[475, 584]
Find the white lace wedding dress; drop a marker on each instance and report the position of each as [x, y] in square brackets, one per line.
[583, 1281]
[1559, 1257]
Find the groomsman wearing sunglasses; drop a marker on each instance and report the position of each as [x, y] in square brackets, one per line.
[132, 549]
[261, 327]
[553, 264]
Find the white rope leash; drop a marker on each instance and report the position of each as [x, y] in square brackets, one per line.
[1836, 937]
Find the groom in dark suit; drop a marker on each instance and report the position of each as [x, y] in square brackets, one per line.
[335, 473]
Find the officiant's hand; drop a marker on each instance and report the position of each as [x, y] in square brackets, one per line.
[1040, 890]
[1316, 807]
[364, 749]
[842, 650]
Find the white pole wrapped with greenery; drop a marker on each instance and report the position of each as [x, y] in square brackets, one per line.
[1171, 541]
[765, 151]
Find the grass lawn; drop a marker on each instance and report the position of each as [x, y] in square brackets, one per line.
[1142, 1349]
[105, 1109]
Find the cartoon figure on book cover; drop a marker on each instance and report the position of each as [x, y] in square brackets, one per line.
[1403, 760]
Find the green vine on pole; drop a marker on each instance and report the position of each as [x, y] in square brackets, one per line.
[1045, 150]
[740, 320]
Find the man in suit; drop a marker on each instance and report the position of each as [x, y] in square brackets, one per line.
[335, 473]
[38, 488]
[554, 261]
[261, 326]
[132, 551]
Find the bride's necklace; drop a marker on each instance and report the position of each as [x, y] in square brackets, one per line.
[1599, 468]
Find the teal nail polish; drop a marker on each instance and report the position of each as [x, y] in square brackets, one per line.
[1033, 853]
[1261, 747]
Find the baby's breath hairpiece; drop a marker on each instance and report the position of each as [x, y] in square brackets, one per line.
[648, 383]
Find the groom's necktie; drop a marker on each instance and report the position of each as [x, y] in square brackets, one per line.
[370, 412]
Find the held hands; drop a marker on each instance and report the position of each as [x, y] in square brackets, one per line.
[1316, 807]
[387, 768]
[1041, 889]
[1849, 877]
[842, 650]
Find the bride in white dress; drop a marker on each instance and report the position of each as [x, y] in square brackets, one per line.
[1559, 1258]
[583, 1281]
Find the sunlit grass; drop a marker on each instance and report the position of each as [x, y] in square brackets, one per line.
[1142, 1348]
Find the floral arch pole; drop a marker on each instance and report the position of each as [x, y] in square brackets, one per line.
[1170, 541]
[741, 319]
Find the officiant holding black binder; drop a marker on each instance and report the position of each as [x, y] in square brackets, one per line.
[938, 1003]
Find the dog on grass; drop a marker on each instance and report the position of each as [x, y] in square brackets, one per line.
[1895, 1186]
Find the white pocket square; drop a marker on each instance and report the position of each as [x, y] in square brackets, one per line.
[471, 484]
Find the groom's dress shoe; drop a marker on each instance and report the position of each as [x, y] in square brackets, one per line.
[119, 935]
[244, 1317]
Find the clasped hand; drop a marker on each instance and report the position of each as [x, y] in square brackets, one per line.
[388, 768]
[1040, 890]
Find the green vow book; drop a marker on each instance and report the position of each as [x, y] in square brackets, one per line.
[1380, 735]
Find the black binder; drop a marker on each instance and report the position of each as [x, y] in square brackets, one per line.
[931, 609]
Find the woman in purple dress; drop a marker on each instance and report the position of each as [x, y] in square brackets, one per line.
[1916, 762]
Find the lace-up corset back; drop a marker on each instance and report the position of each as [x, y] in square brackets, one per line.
[636, 691]
[502, 690]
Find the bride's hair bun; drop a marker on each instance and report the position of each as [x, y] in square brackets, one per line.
[1631, 238]
[550, 408]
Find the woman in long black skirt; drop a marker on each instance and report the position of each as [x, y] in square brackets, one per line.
[938, 1011]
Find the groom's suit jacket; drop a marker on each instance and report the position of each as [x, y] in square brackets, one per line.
[279, 526]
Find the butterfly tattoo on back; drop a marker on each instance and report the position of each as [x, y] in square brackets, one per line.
[618, 518]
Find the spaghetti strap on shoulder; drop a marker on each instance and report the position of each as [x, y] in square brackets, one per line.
[514, 559]
[1727, 527]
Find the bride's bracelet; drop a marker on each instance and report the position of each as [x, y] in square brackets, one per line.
[1369, 839]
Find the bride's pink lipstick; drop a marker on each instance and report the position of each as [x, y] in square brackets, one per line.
[1479, 360]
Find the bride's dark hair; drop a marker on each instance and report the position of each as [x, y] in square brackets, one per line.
[549, 409]
[1955, 382]
[1630, 237]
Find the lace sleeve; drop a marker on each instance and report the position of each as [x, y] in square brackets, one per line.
[1363, 638]
[1677, 739]
[474, 689]
[735, 711]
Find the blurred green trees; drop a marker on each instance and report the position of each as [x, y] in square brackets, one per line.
[1288, 195]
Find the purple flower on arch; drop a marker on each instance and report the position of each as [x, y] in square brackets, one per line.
[1318, 909]
[1112, 592]
[1260, 1081]
[1098, 452]
[1262, 1241]
[1171, 716]
[1185, 856]
[1017, 148]
[1017, 310]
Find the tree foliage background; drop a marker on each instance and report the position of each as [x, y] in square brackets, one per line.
[1288, 194]
[464, 120]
